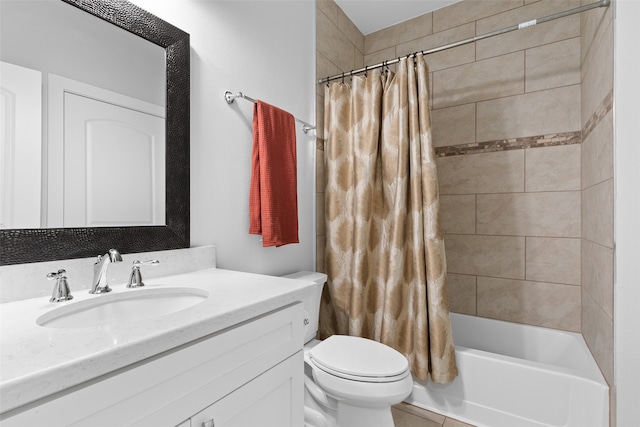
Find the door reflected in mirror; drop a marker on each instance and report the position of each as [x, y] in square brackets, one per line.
[83, 121]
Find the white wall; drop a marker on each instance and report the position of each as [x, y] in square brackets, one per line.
[265, 49]
[627, 206]
[43, 35]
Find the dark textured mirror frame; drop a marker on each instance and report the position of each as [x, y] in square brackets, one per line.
[19, 246]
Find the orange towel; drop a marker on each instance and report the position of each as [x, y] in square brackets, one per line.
[273, 197]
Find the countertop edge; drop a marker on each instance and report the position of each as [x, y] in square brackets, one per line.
[21, 393]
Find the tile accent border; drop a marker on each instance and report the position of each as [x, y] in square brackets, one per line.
[603, 109]
[550, 140]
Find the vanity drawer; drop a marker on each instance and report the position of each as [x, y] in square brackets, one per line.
[171, 387]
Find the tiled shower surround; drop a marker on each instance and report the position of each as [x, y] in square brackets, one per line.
[522, 125]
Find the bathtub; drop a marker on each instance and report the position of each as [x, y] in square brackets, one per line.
[513, 375]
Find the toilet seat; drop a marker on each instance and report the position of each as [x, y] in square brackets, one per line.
[359, 359]
[362, 377]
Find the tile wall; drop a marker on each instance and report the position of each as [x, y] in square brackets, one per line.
[506, 115]
[339, 48]
[522, 125]
[597, 189]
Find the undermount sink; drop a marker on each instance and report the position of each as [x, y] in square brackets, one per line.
[122, 307]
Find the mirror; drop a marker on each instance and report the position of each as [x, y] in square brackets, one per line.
[99, 93]
[32, 245]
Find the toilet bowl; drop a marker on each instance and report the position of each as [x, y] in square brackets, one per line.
[349, 381]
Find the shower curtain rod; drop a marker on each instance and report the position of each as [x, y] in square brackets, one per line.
[230, 97]
[601, 3]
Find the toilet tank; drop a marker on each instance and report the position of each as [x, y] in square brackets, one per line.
[311, 303]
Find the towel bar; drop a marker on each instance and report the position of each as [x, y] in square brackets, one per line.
[230, 97]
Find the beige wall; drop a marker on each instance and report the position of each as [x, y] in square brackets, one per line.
[523, 129]
[506, 120]
[339, 48]
[597, 189]
[510, 212]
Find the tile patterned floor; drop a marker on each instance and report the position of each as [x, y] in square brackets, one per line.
[405, 415]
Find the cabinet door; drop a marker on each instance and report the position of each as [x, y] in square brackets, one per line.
[169, 389]
[274, 399]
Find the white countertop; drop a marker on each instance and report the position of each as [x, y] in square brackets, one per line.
[39, 361]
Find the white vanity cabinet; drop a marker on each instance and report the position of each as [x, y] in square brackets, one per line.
[265, 401]
[247, 375]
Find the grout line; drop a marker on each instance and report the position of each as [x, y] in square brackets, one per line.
[475, 225]
[524, 70]
[475, 44]
[524, 169]
[537, 236]
[511, 278]
[518, 192]
[476, 282]
[475, 124]
[596, 184]
[525, 259]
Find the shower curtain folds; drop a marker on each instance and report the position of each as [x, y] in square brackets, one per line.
[384, 252]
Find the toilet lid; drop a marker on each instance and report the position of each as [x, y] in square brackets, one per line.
[359, 359]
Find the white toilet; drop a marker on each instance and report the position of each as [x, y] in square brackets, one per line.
[349, 381]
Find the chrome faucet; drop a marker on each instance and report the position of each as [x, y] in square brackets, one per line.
[135, 279]
[100, 285]
[61, 290]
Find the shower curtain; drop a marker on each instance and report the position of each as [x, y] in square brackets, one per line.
[384, 252]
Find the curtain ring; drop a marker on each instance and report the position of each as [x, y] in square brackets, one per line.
[343, 77]
[365, 71]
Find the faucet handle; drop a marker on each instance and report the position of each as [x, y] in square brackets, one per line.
[61, 290]
[135, 279]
